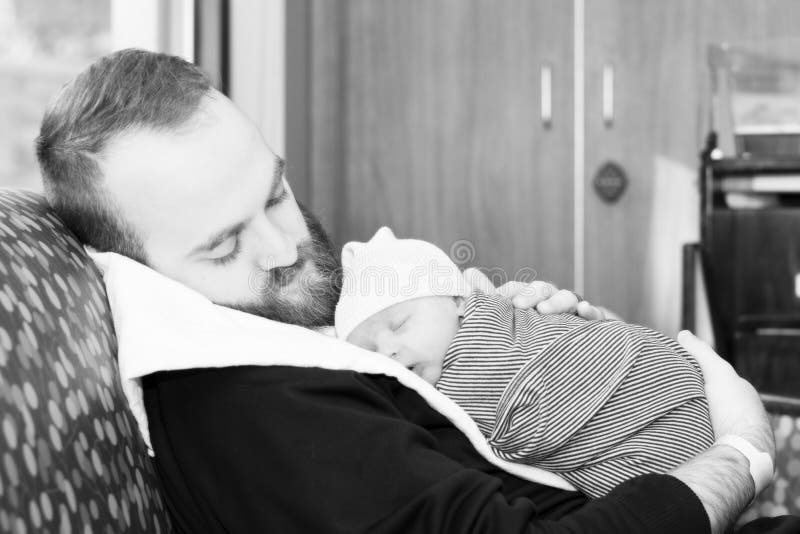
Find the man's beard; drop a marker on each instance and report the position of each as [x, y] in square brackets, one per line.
[316, 277]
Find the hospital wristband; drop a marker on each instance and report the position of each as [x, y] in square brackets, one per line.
[761, 467]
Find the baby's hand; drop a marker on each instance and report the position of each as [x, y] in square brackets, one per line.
[543, 296]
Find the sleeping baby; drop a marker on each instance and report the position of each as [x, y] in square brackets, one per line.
[596, 402]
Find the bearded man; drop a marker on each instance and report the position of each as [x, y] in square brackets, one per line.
[141, 156]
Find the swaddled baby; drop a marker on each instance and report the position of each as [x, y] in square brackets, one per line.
[597, 402]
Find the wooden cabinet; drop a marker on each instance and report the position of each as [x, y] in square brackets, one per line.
[751, 258]
[427, 116]
[658, 53]
[657, 70]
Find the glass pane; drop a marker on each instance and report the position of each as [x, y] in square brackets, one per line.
[42, 45]
[758, 94]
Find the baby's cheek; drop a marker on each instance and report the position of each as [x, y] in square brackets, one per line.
[361, 339]
[359, 343]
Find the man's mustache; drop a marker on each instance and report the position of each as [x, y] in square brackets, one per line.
[282, 276]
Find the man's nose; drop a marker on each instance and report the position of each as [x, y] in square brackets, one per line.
[276, 247]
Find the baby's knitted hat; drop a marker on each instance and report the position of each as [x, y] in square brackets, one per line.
[385, 271]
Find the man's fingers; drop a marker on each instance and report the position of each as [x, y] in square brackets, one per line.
[477, 280]
[513, 288]
[527, 296]
[563, 301]
[710, 362]
[733, 403]
[589, 312]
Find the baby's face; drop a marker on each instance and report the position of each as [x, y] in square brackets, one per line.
[415, 332]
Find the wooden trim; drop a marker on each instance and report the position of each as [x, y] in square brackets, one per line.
[212, 41]
[778, 404]
[688, 312]
[327, 111]
[579, 146]
[298, 98]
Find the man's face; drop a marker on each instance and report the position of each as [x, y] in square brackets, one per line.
[215, 212]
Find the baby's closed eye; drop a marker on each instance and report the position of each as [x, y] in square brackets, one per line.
[399, 323]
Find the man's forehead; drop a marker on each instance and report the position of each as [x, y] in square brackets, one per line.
[178, 183]
[217, 138]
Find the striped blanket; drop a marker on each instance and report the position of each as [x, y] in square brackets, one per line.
[597, 402]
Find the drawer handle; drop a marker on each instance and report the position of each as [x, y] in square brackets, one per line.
[608, 95]
[547, 96]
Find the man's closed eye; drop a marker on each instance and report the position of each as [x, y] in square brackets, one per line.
[280, 195]
[229, 251]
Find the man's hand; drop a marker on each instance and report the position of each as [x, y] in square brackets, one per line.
[720, 477]
[733, 402]
[543, 296]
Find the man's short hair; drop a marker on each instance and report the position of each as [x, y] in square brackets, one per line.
[129, 89]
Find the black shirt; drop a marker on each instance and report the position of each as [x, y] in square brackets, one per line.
[289, 449]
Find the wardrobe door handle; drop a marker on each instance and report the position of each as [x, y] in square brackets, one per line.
[546, 107]
[608, 95]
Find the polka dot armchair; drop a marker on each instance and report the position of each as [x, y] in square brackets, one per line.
[71, 460]
[783, 495]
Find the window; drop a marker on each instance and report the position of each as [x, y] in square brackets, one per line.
[44, 43]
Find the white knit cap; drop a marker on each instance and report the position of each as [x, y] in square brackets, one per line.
[385, 271]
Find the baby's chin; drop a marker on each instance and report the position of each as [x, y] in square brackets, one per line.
[431, 375]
